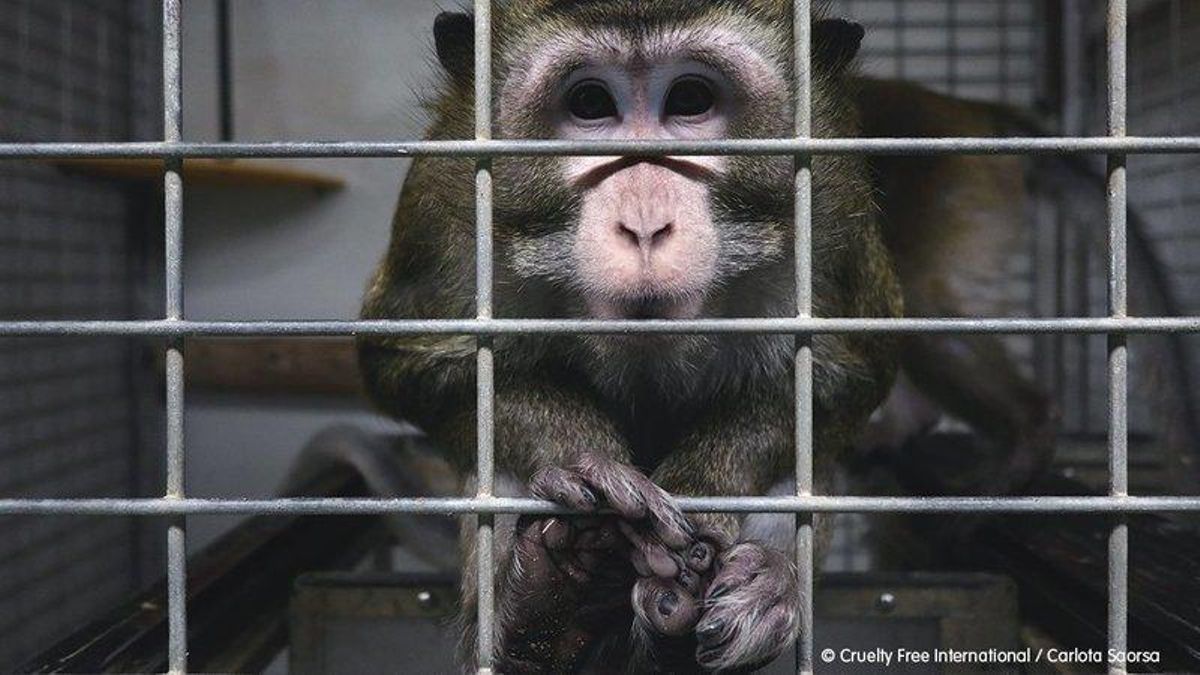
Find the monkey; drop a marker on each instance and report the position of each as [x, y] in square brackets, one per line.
[621, 423]
[951, 223]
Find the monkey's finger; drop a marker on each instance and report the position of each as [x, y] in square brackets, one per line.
[665, 607]
[529, 529]
[619, 485]
[564, 487]
[655, 505]
[691, 582]
[606, 539]
[741, 565]
[639, 563]
[557, 533]
[670, 524]
[660, 561]
[634, 497]
[653, 556]
[588, 560]
[575, 571]
[700, 556]
[583, 524]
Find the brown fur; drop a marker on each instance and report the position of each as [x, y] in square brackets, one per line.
[700, 414]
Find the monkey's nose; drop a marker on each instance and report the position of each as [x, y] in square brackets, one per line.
[646, 235]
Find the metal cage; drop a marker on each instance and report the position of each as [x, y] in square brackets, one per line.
[71, 411]
[174, 327]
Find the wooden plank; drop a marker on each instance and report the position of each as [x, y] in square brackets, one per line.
[218, 172]
[327, 366]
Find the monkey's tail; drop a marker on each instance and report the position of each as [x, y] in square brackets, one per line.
[391, 465]
[1082, 186]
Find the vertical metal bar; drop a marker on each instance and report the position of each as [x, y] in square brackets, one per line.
[802, 40]
[1005, 27]
[1073, 91]
[1118, 356]
[1060, 303]
[952, 46]
[1083, 253]
[485, 364]
[1181, 187]
[225, 69]
[173, 219]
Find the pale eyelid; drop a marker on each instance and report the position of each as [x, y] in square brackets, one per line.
[750, 73]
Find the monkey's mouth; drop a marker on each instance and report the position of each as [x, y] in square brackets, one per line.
[645, 308]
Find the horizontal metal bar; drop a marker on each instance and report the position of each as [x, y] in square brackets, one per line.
[494, 505]
[778, 326]
[528, 148]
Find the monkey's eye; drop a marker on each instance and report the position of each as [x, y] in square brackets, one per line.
[689, 97]
[590, 100]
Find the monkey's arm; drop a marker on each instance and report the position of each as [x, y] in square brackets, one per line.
[550, 432]
[742, 613]
[543, 416]
[744, 446]
[540, 422]
[551, 437]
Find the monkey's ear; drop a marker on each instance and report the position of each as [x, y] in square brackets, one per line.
[836, 42]
[454, 39]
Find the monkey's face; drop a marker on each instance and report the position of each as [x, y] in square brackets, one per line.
[640, 237]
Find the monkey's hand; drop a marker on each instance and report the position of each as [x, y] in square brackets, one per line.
[667, 607]
[652, 523]
[737, 612]
[750, 609]
[569, 584]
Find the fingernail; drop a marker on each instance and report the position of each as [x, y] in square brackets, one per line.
[685, 577]
[639, 564]
[711, 629]
[589, 496]
[718, 590]
[667, 603]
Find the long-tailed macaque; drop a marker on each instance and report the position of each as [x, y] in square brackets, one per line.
[615, 425]
[622, 422]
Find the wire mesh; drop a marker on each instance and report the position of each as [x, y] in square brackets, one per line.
[174, 326]
[69, 409]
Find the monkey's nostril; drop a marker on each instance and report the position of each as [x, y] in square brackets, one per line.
[628, 233]
[662, 233]
[645, 237]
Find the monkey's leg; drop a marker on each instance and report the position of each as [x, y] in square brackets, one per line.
[973, 378]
